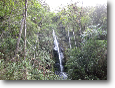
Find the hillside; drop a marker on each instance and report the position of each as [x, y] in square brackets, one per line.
[27, 42]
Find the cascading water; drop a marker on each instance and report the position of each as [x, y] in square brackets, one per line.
[60, 57]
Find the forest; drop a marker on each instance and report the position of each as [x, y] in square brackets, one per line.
[29, 30]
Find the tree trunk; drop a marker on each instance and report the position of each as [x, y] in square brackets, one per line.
[74, 38]
[18, 41]
[69, 39]
[25, 28]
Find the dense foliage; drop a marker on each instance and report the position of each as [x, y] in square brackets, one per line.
[88, 62]
[82, 32]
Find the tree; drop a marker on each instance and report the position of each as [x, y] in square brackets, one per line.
[23, 23]
[25, 28]
[18, 40]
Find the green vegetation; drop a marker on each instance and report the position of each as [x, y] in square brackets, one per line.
[82, 32]
[88, 62]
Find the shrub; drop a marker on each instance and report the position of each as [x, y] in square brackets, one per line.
[88, 62]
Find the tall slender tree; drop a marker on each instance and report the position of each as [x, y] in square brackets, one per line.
[25, 28]
[74, 37]
[18, 40]
[69, 38]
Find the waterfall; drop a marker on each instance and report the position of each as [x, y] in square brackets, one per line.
[56, 48]
[60, 57]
